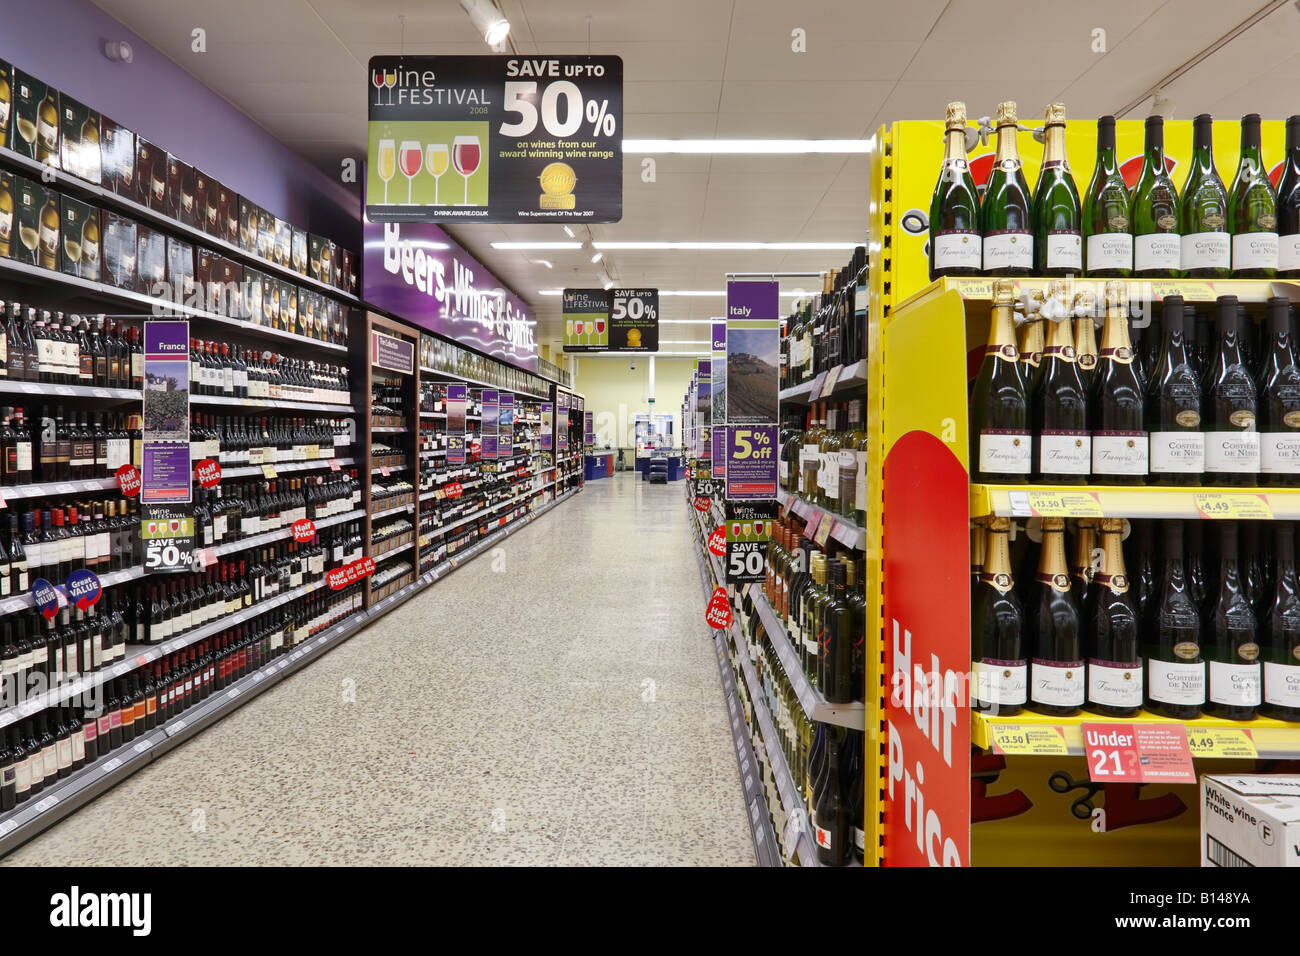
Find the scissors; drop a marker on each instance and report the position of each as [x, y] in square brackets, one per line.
[1082, 807]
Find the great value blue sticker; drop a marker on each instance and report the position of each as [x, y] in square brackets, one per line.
[83, 588]
[46, 597]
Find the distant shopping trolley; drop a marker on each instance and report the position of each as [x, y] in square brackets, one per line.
[658, 469]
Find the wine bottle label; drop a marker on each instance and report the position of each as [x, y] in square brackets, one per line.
[1288, 252]
[1176, 682]
[51, 761]
[1114, 685]
[23, 455]
[1157, 250]
[1177, 452]
[1004, 451]
[1005, 249]
[1119, 453]
[1110, 250]
[957, 249]
[1232, 452]
[78, 747]
[1065, 251]
[1064, 452]
[1002, 683]
[64, 753]
[1282, 684]
[1235, 684]
[1279, 453]
[1255, 250]
[23, 776]
[1207, 250]
[1057, 683]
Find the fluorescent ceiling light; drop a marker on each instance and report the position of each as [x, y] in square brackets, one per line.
[487, 20]
[597, 257]
[747, 146]
[537, 245]
[609, 284]
[569, 232]
[730, 246]
[543, 262]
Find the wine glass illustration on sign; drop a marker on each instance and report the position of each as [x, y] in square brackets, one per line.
[465, 156]
[390, 80]
[600, 332]
[377, 78]
[386, 159]
[408, 157]
[568, 332]
[437, 161]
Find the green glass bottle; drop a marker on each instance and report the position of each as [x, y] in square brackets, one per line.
[1057, 217]
[1203, 211]
[1157, 252]
[1108, 244]
[1252, 210]
[955, 248]
[1006, 214]
[1000, 440]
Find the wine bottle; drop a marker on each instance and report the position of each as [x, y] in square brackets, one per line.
[1288, 206]
[1108, 249]
[1279, 402]
[837, 640]
[1229, 403]
[1006, 215]
[1056, 670]
[1001, 443]
[1252, 210]
[831, 830]
[1060, 404]
[1235, 677]
[1085, 339]
[1119, 437]
[1173, 406]
[1112, 621]
[1203, 211]
[1175, 667]
[1157, 250]
[1057, 218]
[1030, 346]
[997, 648]
[1279, 633]
[955, 246]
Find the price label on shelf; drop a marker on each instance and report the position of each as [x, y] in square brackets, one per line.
[1064, 504]
[1235, 507]
[1137, 753]
[269, 471]
[1221, 742]
[815, 392]
[334, 464]
[824, 528]
[1028, 739]
[832, 377]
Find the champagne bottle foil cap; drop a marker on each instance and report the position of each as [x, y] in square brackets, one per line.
[1004, 291]
[1055, 114]
[1007, 114]
[956, 115]
[1116, 294]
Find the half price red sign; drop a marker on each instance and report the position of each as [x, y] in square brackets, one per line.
[351, 573]
[718, 615]
[128, 479]
[208, 472]
[304, 529]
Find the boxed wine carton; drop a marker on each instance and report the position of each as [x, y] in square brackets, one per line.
[176, 172]
[79, 250]
[79, 134]
[247, 225]
[283, 242]
[349, 272]
[117, 158]
[120, 250]
[151, 260]
[205, 201]
[36, 119]
[1250, 820]
[253, 280]
[265, 234]
[188, 207]
[180, 268]
[7, 202]
[298, 257]
[289, 315]
[6, 104]
[150, 175]
[31, 201]
[232, 280]
[227, 215]
[284, 308]
[315, 244]
[270, 302]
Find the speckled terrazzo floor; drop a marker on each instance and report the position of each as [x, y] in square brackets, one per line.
[562, 709]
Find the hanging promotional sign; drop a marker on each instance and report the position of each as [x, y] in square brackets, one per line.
[489, 431]
[613, 320]
[562, 422]
[419, 273]
[753, 353]
[165, 447]
[748, 530]
[589, 429]
[547, 436]
[518, 139]
[506, 426]
[751, 462]
[392, 353]
[83, 588]
[456, 424]
[718, 461]
[167, 540]
[718, 388]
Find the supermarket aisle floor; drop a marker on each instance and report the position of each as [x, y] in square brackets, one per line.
[555, 702]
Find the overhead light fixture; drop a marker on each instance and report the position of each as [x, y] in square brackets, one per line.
[569, 232]
[733, 246]
[747, 146]
[597, 257]
[609, 284]
[542, 262]
[487, 20]
[537, 245]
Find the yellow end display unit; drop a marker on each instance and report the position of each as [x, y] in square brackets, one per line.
[951, 787]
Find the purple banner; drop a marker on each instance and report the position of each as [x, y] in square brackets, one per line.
[753, 300]
[506, 430]
[166, 430]
[491, 398]
[719, 463]
[456, 424]
[751, 462]
[394, 354]
[418, 272]
[166, 473]
[719, 336]
[589, 429]
[547, 435]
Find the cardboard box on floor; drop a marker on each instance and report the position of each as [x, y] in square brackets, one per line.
[1250, 820]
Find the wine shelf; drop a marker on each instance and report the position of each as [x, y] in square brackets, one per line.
[1147, 290]
[433, 414]
[1209, 736]
[48, 488]
[47, 393]
[391, 511]
[847, 378]
[273, 404]
[389, 429]
[844, 531]
[266, 537]
[1145, 501]
[99, 196]
[455, 377]
[434, 453]
[282, 468]
[158, 308]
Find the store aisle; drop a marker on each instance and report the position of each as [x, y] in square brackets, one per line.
[553, 702]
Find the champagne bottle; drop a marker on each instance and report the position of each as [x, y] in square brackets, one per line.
[997, 649]
[999, 429]
[1288, 205]
[1108, 249]
[1030, 347]
[1119, 437]
[1175, 668]
[1252, 210]
[1006, 216]
[955, 246]
[1085, 339]
[1114, 657]
[1056, 674]
[1279, 402]
[1203, 211]
[1156, 247]
[1081, 568]
[1235, 678]
[1232, 446]
[1060, 404]
[1173, 406]
[1280, 633]
[1057, 218]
